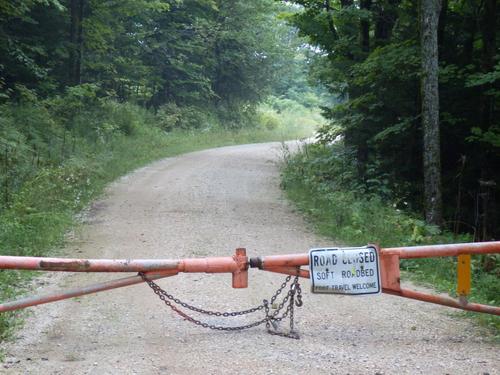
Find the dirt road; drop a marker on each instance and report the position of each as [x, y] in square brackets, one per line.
[207, 204]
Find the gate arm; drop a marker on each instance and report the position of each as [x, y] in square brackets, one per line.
[431, 251]
[77, 292]
[237, 265]
[390, 270]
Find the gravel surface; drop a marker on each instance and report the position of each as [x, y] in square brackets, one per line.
[207, 204]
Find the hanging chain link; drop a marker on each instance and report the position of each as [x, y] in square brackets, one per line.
[271, 319]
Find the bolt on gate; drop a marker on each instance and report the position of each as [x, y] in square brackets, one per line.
[347, 271]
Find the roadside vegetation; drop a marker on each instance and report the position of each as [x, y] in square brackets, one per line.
[322, 182]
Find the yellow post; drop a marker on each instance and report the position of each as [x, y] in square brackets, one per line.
[463, 275]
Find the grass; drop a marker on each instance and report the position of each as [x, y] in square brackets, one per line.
[319, 180]
[43, 210]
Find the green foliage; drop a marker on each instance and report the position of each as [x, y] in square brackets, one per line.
[170, 116]
[269, 120]
[481, 79]
[29, 48]
[322, 181]
[375, 76]
[490, 136]
[193, 52]
[286, 114]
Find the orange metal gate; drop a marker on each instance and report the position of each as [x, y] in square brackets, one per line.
[239, 263]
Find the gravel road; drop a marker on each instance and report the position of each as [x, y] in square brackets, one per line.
[207, 204]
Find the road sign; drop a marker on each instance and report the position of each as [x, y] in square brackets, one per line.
[351, 271]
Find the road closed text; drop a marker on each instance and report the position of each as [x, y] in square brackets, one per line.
[326, 259]
[353, 271]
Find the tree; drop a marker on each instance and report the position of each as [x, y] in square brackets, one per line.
[32, 50]
[429, 19]
[246, 63]
[76, 41]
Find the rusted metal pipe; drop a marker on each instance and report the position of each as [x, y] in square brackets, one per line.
[209, 265]
[431, 251]
[408, 252]
[294, 271]
[273, 261]
[237, 265]
[87, 265]
[445, 301]
[238, 262]
[77, 292]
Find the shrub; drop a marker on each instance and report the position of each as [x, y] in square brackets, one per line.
[269, 120]
[170, 116]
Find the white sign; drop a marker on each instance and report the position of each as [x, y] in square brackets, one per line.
[352, 271]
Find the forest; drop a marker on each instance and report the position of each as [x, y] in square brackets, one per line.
[79, 78]
[372, 60]
[76, 73]
[411, 150]
[409, 92]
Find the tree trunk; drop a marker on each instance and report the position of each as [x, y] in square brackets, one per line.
[386, 16]
[76, 40]
[365, 27]
[429, 20]
[487, 115]
[488, 33]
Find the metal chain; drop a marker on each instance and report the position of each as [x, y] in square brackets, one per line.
[270, 318]
[271, 321]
